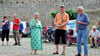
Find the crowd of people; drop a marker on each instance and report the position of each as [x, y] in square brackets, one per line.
[61, 19]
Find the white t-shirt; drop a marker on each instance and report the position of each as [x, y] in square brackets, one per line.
[94, 34]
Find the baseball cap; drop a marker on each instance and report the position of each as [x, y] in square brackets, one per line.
[61, 6]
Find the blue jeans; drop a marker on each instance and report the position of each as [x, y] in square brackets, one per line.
[82, 34]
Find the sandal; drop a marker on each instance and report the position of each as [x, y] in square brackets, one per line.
[55, 53]
[63, 53]
[35, 54]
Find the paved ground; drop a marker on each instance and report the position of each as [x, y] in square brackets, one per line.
[48, 49]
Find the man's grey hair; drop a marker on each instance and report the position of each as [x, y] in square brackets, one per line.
[80, 7]
[14, 15]
[94, 27]
[36, 13]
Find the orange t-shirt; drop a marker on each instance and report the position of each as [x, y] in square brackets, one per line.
[59, 18]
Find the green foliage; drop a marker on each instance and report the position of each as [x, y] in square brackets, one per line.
[72, 14]
[1, 1]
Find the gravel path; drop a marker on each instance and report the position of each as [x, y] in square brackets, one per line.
[48, 49]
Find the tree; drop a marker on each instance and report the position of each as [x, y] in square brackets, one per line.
[72, 14]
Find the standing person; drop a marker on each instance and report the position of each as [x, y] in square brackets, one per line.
[98, 26]
[82, 25]
[36, 28]
[16, 23]
[20, 29]
[5, 30]
[60, 22]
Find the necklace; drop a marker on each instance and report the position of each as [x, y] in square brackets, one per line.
[62, 18]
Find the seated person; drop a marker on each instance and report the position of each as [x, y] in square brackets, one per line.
[93, 34]
[71, 33]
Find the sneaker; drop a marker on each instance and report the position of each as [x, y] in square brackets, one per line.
[14, 44]
[95, 46]
[19, 44]
[92, 46]
[78, 54]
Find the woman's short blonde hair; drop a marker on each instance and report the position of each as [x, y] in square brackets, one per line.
[36, 13]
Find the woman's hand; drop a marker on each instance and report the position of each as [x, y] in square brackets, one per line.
[4, 22]
[36, 21]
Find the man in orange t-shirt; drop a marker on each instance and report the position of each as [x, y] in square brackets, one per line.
[16, 23]
[60, 22]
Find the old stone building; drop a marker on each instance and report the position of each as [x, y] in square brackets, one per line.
[25, 8]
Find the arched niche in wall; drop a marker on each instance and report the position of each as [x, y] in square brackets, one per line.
[17, 2]
[39, 1]
[55, 0]
[45, 1]
[62, 0]
[10, 2]
[33, 1]
[22, 2]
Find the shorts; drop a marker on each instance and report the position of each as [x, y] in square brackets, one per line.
[59, 33]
